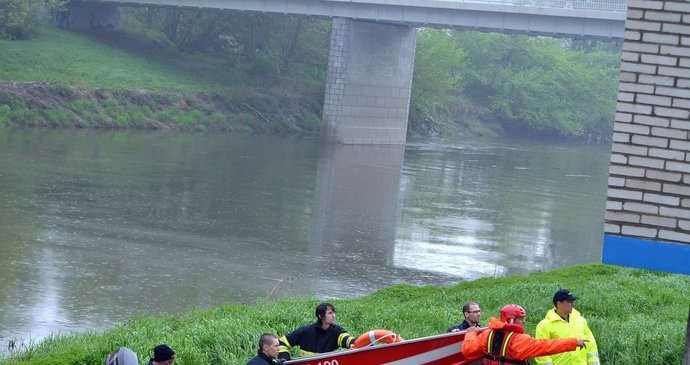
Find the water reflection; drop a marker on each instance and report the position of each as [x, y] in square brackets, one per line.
[490, 209]
[355, 214]
[98, 227]
[356, 202]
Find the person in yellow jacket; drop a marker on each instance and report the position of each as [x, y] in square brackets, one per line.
[564, 321]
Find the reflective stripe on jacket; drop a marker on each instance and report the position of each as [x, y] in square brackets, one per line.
[553, 326]
[498, 346]
[312, 339]
[521, 346]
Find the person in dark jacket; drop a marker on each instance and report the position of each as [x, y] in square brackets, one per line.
[472, 314]
[269, 347]
[162, 355]
[317, 338]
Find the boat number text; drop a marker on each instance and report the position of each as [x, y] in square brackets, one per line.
[327, 362]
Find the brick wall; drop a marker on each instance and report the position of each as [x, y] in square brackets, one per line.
[649, 178]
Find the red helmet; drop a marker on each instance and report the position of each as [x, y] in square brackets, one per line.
[512, 311]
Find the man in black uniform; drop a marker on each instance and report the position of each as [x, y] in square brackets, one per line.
[162, 355]
[472, 314]
[317, 338]
[268, 351]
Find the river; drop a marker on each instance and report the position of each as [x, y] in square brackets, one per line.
[96, 227]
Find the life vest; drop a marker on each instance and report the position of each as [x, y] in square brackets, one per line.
[497, 345]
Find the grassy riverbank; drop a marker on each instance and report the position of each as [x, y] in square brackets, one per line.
[116, 80]
[637, 316]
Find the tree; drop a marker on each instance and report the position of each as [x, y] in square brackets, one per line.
[437, 68]
[274, 45]
[18, 18]
[437, 80]
[538, 86]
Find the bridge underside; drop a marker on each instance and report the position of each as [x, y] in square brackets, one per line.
[86, 15]
[369, 82]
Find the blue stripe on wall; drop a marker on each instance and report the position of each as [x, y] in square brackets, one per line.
[645, 254]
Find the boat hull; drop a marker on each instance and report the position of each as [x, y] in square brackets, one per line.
[433, 350]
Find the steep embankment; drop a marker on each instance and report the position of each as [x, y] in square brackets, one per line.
[59, 105]
[115, 80]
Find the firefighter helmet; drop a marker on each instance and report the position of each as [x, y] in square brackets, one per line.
[512, 311]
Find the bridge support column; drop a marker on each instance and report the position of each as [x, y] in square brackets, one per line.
[81, 15]
[369, 82]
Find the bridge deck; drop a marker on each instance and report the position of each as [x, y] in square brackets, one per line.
[556, 18]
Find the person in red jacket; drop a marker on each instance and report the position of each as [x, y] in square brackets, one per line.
[506, 343]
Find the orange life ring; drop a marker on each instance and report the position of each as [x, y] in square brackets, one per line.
[371, 337]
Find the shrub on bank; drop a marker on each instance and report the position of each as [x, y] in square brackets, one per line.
[637, 316]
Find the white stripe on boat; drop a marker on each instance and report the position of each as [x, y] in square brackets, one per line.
[429, 356]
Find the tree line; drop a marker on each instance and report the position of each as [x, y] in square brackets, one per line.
[513, 84]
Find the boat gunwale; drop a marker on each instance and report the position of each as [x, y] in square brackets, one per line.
[370, 348]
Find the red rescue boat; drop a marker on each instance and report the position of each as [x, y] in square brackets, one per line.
[433, 350]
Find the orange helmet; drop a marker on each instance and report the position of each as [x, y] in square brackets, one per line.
[512, 311]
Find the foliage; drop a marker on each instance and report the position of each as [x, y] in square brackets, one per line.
[516, 84]
[536, 85]
[637, 316]
[19, 18]
[437, 80]
[4, 114]
[280, 45]
[437, 68]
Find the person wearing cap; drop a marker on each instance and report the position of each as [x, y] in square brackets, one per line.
[506, 343]
[162, 355]
[317, 338]
[123, 356]
[565, 321]
[269, 347]
[472, 314]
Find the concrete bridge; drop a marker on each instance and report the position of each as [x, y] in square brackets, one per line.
[373, 43]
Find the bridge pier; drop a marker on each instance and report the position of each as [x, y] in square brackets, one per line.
[84, 15]
[369, 82]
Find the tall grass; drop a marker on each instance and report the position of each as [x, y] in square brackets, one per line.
[637, 316]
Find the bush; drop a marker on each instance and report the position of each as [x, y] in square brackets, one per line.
[265, 66]
[20, 18]
[312, 122]
[4, 114]
[24, 115]
[60, 117]
[82, 107]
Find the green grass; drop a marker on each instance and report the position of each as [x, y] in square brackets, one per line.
[117, 80]
[637, 316]
[69, 58]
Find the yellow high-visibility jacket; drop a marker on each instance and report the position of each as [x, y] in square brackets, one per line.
[553, 326]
